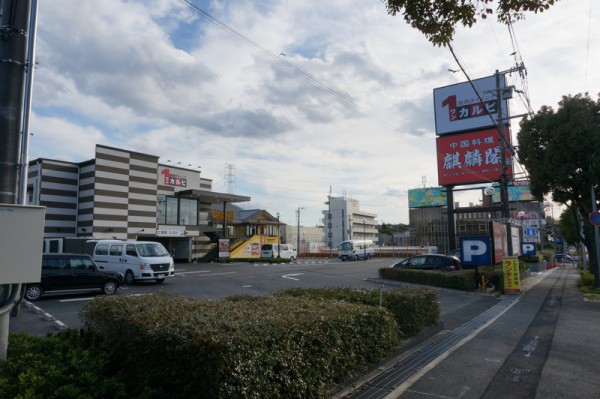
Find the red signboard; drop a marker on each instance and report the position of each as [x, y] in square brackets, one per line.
[473, 157]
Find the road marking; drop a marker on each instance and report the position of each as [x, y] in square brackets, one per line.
[197, 271]
[289, 276]
[217, 274]
[76, 299]
[246, 286]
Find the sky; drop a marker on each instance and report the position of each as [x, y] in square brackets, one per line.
[297, 97]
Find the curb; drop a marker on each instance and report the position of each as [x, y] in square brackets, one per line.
[45, 316]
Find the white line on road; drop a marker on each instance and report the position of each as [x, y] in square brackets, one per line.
[289, 276]
[217, 274]
[76, 299]
[197, 271]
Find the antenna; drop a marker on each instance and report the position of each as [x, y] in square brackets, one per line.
[424, 181]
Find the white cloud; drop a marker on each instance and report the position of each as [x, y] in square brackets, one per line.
[349, 105]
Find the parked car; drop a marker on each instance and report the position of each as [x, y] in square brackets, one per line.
[285, 251]
[430, 262]
[563, 258]
[71, 273]
[136, 260]
[455, 252]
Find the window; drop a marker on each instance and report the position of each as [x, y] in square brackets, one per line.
[130, 250]
[188, 211]
[102, 249]
[161, 209]
[77, 263]
[53, 263]
[177, 211]
[172, 204]
[116, 250]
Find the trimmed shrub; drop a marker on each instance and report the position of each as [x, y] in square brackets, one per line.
[246, 347]
[463, 280]
[58, 366]
[414, 308]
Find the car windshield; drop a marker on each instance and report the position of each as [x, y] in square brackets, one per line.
[345, 246]
[153, 249]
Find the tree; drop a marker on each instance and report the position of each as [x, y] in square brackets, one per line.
[437, 19]
[561, 152]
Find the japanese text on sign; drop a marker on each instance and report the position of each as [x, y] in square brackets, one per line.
[512, 277]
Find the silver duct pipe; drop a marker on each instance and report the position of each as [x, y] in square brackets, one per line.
[14, 26]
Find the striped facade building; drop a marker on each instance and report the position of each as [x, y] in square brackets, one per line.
[125, 195]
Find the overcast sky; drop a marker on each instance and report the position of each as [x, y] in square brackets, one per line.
[299, 96]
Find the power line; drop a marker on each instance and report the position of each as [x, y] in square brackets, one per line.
[312, 80]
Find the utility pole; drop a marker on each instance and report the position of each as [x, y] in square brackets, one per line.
[298, 235]
[503, 147]
[329, 233]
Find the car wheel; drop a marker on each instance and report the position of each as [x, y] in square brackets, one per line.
[33, 292]
[160, 280]
[129, 279]
[109, 287]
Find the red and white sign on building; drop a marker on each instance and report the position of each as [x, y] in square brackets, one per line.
[458, 108]
[473, 157]
[173, 179]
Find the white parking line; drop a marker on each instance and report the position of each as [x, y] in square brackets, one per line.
[76, 299]
[217, 274]
[289, 276]
[197, 271]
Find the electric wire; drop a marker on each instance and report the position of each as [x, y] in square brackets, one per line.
[337, 96]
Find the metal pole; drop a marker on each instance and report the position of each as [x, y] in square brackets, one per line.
[298, 237]
[596, 239]
[365, 239]
[278, 238]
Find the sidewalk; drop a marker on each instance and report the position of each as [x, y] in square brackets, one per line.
[512, 350]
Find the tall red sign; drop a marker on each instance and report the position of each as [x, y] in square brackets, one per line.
[474, 157]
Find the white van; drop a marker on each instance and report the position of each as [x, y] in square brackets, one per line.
[137, 260]
[284, 251]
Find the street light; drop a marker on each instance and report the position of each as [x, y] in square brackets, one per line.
[278, 238]
[364, 238]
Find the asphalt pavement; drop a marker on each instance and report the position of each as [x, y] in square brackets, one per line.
[542, 343]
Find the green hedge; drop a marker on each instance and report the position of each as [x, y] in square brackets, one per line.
[254, 347]
[295, 344]
[463, 280]
[59, 366]
[414, 308]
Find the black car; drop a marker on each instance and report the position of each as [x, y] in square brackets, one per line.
[70, 273]
[430, 262]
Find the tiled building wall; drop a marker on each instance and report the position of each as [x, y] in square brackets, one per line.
[124, 194]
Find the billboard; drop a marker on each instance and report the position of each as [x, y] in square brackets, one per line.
[474, 157]
[458, 108]
[426, 197]
[518, 191]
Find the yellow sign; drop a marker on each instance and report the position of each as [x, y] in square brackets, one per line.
[512, 277]
[218, 215]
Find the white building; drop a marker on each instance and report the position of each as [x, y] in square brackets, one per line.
[343, 220]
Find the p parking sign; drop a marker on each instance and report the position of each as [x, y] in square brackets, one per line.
[475, 251]
[528, 248]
